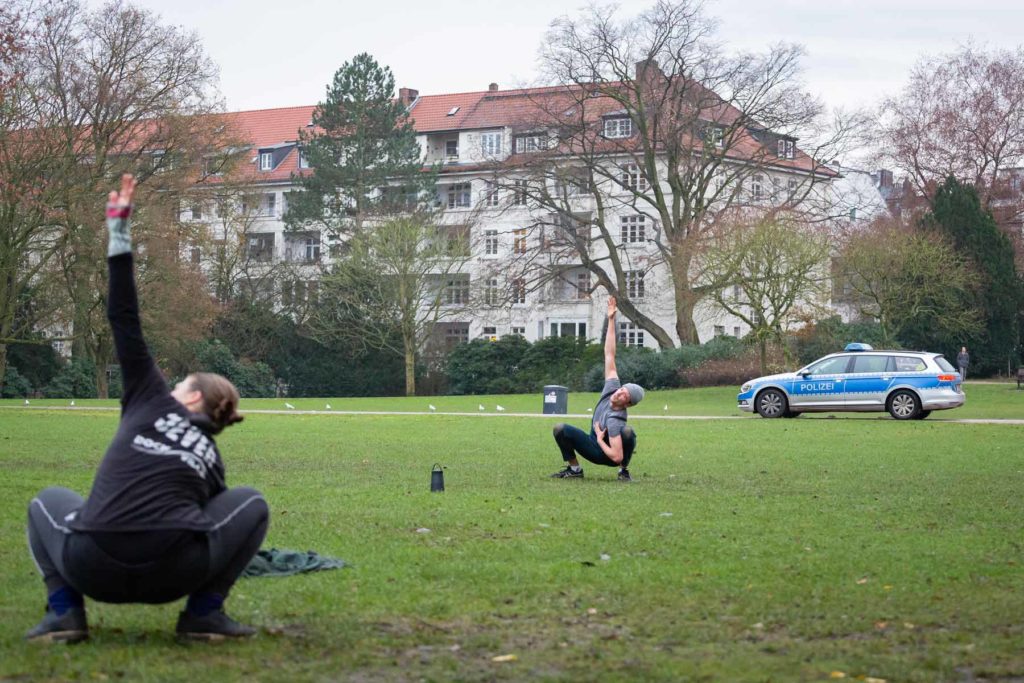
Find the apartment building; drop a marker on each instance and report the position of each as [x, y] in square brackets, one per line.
[478, 140]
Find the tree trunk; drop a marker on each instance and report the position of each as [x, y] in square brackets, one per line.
[410, 366]
[763, 348]
[3, 366]
[685, 298]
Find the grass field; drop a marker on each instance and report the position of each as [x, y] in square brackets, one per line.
[746, 549]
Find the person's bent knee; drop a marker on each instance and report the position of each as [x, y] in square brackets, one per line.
[558, 429]
[628, 434]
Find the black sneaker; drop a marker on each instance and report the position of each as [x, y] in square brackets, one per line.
[624, 475]
[568, 473]
[70, 627]
[214, 626]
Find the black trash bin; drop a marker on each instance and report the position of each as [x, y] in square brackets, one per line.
[556, 400]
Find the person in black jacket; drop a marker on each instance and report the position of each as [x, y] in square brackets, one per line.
[160, 522]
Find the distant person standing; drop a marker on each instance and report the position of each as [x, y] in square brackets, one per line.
[963, 359]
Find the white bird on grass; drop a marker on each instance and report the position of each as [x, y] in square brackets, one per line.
[500, 409]
[289, 406]
[328, 406]
[481, 407]
[72, 403]
[590, 410]
[665, 408]
[26, 401]
[431, 406]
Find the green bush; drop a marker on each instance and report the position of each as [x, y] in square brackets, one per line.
[514, 365]
[15, 386]
[76, 379]
[663, 369]
[253, 379]
[831, 335]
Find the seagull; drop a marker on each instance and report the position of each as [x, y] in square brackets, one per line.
[328, 406]
[665, 408]
[481, 407]
[590, 410]
[72, 403]
[26, 401]
[500, 409]
[289, 406]
[431, 406]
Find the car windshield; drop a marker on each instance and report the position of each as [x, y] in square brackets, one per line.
[944, 364]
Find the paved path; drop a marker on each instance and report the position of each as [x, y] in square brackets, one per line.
[859, 416]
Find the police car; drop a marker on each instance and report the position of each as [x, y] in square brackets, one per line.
[907, 384]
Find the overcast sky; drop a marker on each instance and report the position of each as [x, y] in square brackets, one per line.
[276, 54]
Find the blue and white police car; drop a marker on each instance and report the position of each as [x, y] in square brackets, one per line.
[907, 384]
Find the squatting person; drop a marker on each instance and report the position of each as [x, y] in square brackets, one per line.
[159, 523]
[610, 441]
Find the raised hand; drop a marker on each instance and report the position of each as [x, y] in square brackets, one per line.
[124, 197]
[612, 307]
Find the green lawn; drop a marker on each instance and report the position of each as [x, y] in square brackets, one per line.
[746, 550]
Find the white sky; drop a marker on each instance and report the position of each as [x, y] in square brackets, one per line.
[274, 53]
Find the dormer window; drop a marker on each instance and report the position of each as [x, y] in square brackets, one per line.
[451, 149]
[785, 148]
[534, 142]
[618, 127]
[266, 161]
[716, 136]
[303, 160]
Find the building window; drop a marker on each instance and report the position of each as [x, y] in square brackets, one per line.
[268, 204]
[194, 255]
[635, 284]
[630, 335]
[521, 194]
[490, 334]
[459, 196]
[736, 331]
[490, 144]
[519, 331]
[633, 228]
[491, 194]
[266, 161]
[455, 239]
[716, 136]
[311, 248]
[492, 295]
[518, 291]
[618, 127]
[519, 241]
[757, 187]
[633, 179]
[303, 161]
[785, 149]
[260, 247]
[455, 333]
[719, 330]
[582, 285]
[456, 290]
[569, 329]
[451, 149]
[490, 242]
[531, 143]
[197, 212]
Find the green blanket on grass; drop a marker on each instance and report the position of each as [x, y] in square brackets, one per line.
[276, 562]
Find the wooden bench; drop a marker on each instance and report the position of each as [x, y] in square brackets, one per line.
[1020, 377]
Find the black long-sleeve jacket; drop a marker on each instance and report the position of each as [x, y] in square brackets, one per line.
[163, 465]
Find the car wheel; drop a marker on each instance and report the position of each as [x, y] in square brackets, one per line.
[771, 403]
[923, 414]
[904, 405]
[791, 413]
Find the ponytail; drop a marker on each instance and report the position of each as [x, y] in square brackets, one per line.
[220, 399]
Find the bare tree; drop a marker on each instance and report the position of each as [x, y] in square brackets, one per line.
[651, 119]
[778, 270]
[111, 91]
[392, 286]
[960, 114]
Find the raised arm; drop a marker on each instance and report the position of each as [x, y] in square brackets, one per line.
[610, 371]
[139, 373]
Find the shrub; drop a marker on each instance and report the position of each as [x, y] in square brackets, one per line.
[716, 372]
[831, 335]
[253, 379]
[15, 386]
[76, 379]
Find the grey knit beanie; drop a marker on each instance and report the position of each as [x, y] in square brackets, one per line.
[636, 393]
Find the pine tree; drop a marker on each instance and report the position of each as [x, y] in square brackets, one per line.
[363, 153]
[956, 211]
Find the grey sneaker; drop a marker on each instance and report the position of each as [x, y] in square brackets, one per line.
[624, 475]
[214, 626]
[70, 627]
[567, 473]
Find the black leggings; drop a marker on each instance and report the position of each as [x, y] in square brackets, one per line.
[148, 567]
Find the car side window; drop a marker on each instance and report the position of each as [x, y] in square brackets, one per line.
[830, 366]
[872, 364]
[909, 364]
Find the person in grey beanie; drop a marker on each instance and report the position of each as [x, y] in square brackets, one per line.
[610, 441]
